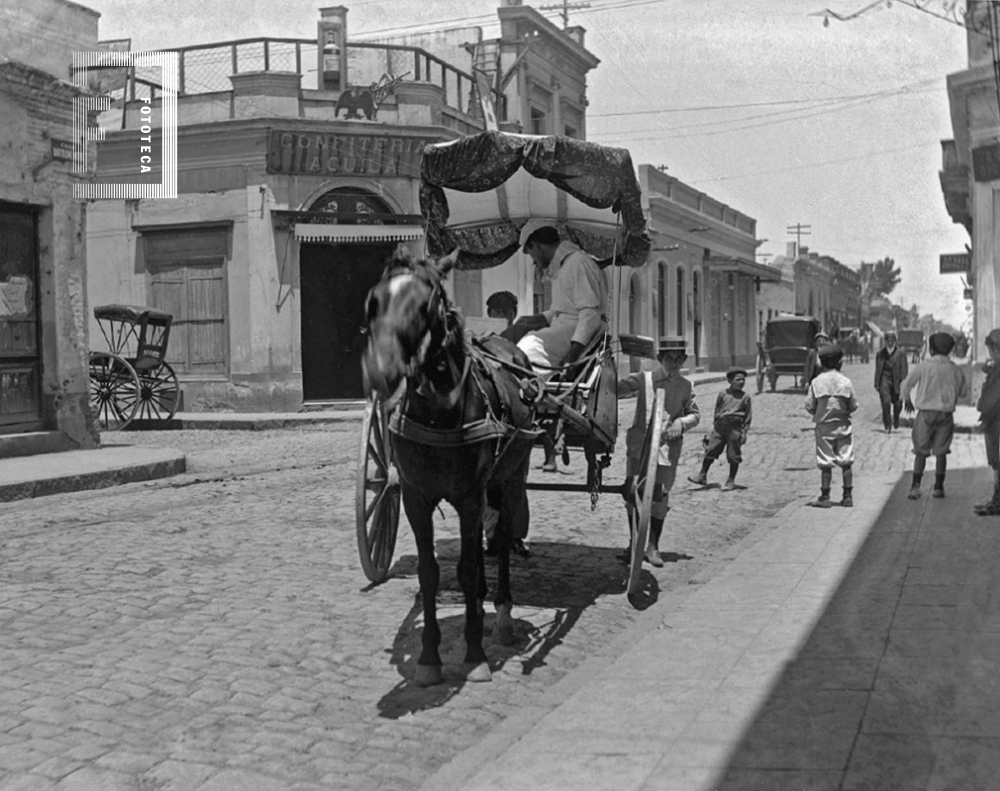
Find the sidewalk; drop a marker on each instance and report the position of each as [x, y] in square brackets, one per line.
[847, 649]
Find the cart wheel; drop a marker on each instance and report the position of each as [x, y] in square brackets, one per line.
[760, 377]
[159, 394]
[377, 494]
[645, 485]
[114, 391]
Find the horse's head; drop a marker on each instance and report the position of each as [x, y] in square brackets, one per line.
[407, 317]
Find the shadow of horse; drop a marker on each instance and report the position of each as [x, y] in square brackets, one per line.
[555, 587]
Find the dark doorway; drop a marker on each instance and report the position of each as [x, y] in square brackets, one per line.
[334, 280]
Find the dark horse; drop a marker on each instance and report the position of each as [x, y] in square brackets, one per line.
[460, 428]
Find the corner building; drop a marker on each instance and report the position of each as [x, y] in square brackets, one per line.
[298, 175]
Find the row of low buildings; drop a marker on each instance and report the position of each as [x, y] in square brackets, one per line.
[298, 173]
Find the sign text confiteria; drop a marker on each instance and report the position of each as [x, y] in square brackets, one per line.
[320, 154]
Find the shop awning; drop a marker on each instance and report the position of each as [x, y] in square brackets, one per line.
[763, 272]
[317, 232]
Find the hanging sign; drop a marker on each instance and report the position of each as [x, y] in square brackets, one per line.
[954, 262]
[986, 162]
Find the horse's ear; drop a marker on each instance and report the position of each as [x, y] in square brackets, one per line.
[402, 253]
[447, 263]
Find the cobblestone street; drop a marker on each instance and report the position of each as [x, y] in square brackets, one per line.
[215, 631]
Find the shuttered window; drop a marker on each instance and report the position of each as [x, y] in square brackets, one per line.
[187, 279]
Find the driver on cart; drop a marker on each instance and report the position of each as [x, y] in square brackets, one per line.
[558, 336]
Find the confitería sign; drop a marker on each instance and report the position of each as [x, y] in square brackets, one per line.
[323, 154]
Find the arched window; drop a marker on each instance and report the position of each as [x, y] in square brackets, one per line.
[680, 302]
[366, 207]
[633, 304]
[661, 289]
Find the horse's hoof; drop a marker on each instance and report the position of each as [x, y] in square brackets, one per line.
[504, 635]
[480, 672]
[428, 675]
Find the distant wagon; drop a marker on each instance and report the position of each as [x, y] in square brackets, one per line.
[911, 342]
[784, 349]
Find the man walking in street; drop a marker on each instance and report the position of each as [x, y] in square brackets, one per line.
[891, 369]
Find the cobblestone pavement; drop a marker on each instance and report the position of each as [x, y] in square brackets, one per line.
[215, 631]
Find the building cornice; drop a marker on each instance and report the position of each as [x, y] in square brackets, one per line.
[553, 34]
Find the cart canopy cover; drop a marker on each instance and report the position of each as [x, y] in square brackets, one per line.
[791, 332]
[477, 192]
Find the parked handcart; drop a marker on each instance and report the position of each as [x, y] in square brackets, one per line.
[911, 341]
[132, 381]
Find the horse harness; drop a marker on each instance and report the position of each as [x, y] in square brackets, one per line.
[481, 371]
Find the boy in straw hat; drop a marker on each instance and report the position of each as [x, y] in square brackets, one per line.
[681, 416]
[989, 415]
[937, 385]
[831, 401]
[729, 429]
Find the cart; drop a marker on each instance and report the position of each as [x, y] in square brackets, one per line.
[132, 381]
[785, 349]
[475, 194]
[912, 343]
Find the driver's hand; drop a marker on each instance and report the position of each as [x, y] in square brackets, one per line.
[908, 406]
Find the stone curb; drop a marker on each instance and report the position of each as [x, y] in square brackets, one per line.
[97, 479]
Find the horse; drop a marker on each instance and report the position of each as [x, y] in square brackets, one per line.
[460, 432]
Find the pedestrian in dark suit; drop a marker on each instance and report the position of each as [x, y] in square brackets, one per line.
[891, 369]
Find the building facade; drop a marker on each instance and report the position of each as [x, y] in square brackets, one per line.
[819, 286]
[970, 177]
[701, 280]
[295, 189]
[43, 278]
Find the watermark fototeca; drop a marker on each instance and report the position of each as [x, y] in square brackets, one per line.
[155, 155]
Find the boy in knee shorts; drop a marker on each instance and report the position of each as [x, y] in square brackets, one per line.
[937, 384]
[681, 415]
[729, 429]
[831, 401]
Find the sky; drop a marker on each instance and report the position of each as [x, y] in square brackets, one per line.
[756, 103]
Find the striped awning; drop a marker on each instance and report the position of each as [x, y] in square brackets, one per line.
[317, 232]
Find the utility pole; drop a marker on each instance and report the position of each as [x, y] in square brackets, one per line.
[798, 231]
[563, 9]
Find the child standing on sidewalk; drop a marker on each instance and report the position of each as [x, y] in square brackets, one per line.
[831, 401]
[989, 416]
[937, 385]
[681, 415]
[729, 429]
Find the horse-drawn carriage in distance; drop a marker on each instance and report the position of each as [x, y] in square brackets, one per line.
[912, 342]
[784, 349]
[477, 194]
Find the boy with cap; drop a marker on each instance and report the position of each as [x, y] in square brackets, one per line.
[937, 385]
[831, 401]
[891, 369]
[812, 366]
[989, 415]
[681, 415]
[729, 429]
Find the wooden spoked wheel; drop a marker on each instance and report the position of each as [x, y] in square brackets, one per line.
[114, 391]
[645, 484]
[761, 369]
[159, 394]
[377, 494]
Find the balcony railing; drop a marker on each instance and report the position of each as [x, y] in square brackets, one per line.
[206, 68]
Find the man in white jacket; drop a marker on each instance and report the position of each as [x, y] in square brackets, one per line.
[559, 335]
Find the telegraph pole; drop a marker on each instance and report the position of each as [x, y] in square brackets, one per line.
[798, 231]
[563, 9]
